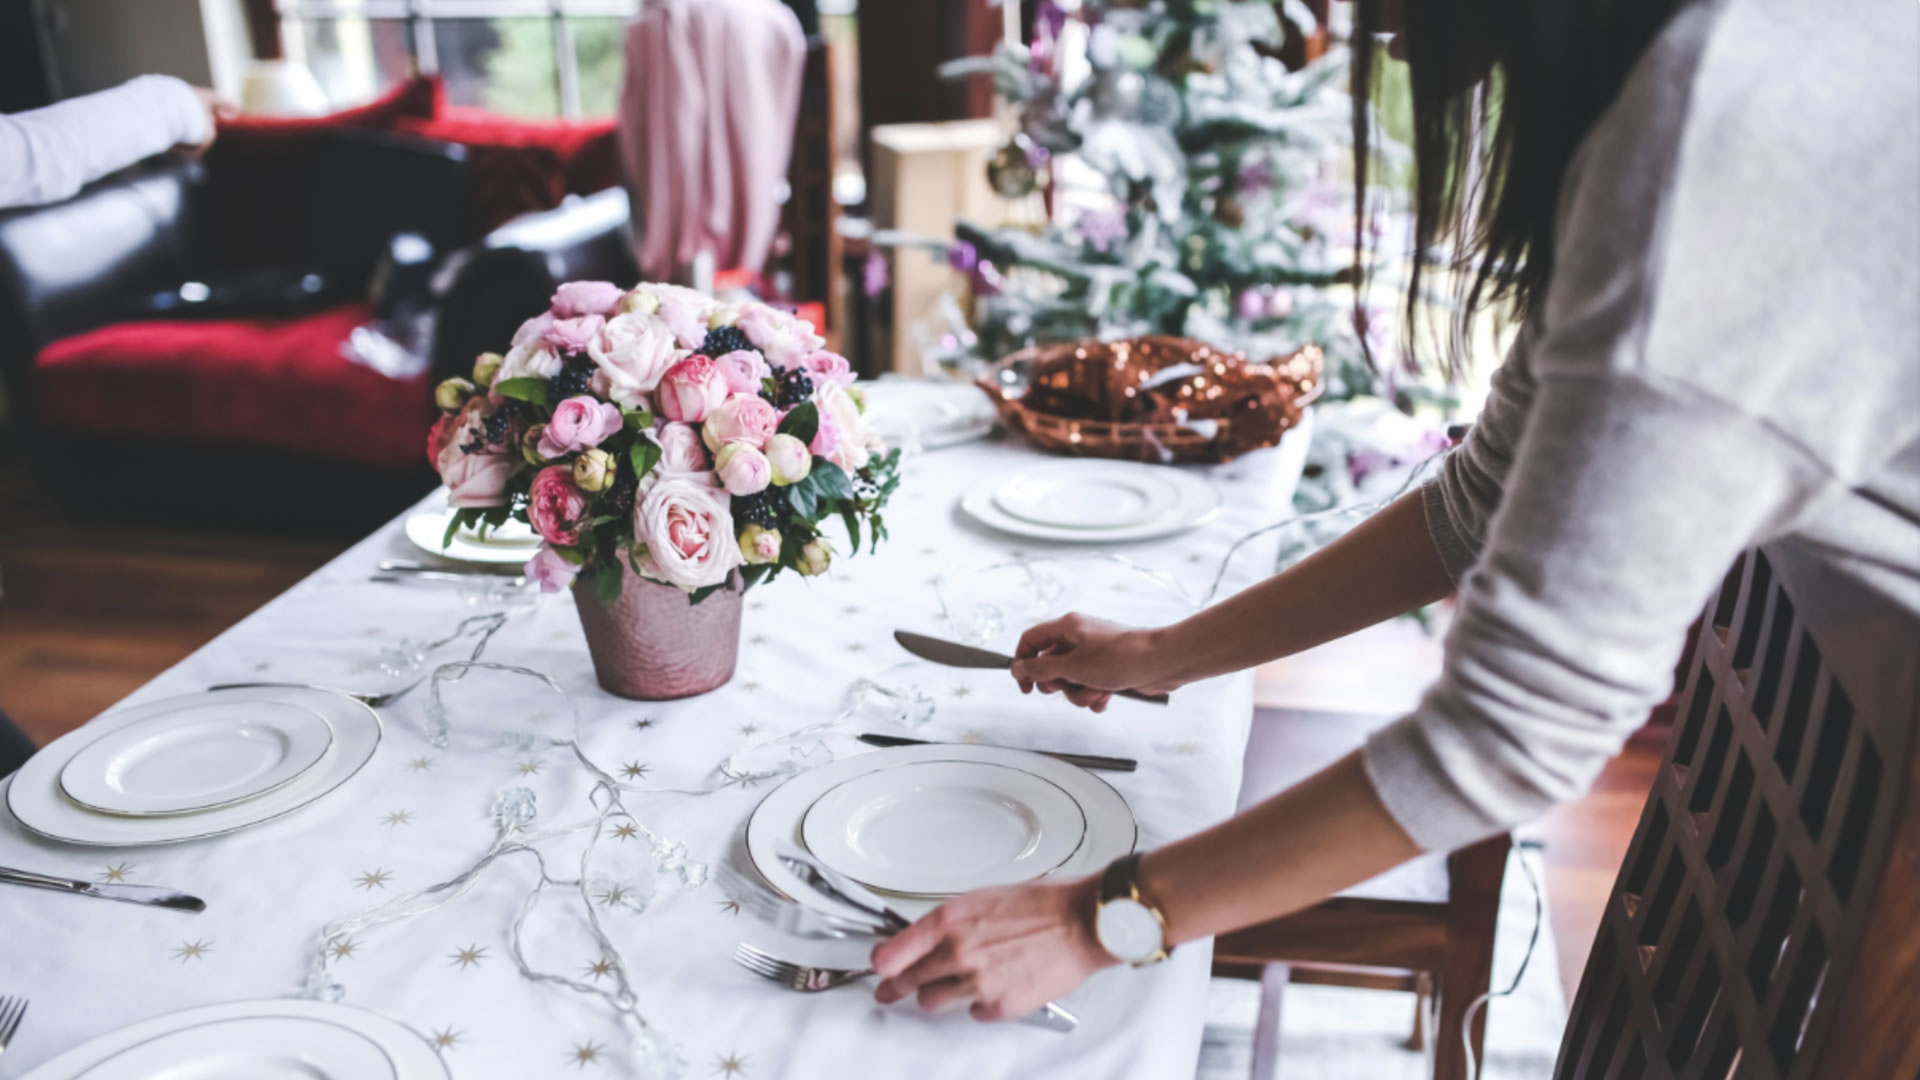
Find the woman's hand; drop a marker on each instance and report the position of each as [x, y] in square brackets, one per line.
[1009, 950]
[1087, 659]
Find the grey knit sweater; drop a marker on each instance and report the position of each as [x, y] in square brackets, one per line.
[1728, 355]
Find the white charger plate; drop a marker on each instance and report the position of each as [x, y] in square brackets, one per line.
[512, 542]
[251, 1048]
[1111, 831]
[1197, 501]
[409, 1057]
[1087, 495]
[937, 828]
[36, 802]
[937, 413]
[198, 757]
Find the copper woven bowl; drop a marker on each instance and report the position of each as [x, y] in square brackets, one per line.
[1158, 399]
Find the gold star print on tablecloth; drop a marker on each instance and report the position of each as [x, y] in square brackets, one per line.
[529, 768]
[731, 907]
[468, 957]
[116, 872]
[344, 949]
[1188, 748]
[851, 609]
[856, 648]
[420, 764]
[962, 692]
[734, 1064]
[373, 879]
[586, 1055]
[446, 1038]
[597, 969]
[750, 685]
[397, 817]
[757, 639]
[192, 950]
[634, 770]
[749, 729]
[643, 723]
[612, 895]
[626, 830]
[973, 736]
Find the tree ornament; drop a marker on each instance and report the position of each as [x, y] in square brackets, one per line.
[1228, 211]
[1011, 171]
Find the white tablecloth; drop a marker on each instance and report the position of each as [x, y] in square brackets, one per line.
[416, 815]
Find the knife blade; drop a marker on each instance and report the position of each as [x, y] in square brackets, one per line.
[954, 654]
[149, 895]
[1085, 761]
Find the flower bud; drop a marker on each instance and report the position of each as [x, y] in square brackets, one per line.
[530, 444]
[452, 394]
[742, 469]
[640, 303]
[759, 545]
[790, 458]
[859, 395]
[726, 316]
[486, 366]
[815, 557]
[594, 470]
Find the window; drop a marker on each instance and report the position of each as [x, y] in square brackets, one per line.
[534, 58]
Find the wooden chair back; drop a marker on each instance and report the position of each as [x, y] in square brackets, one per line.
[1765, 924]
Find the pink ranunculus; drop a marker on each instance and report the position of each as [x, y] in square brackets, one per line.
[838, 406]
[474, 479]
[633, 351]
[690, 390]
[784, 338]
[573, 335]
[530, 360]
[586, 298]
[579, 423]
[555, 507]
[742, 469]
[680, 449]
[743, 370]
[533, 329]
[688, 530]
[550, 570]
[742, 418]
[829, 369]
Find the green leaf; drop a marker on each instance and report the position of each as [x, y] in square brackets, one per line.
[852, 518]
[800, 496]
[572, 555]
[637, 419]
[644, 456]
[606, 586]
[755, 574]
[830, 481]
[802, 423]
[703, 592]
[527, 388]
[462, 518]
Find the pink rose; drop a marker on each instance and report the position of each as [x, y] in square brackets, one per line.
[473, 479]
[688, 531]
[829, 369]
[529, 360]
[579, 423]
[785, 339]
[838, 408]
[633, 351]
[743, 419]
[550, 570]
[573, 335]
[680, 450]
[743, 370]
[533, 329]
[743, 469]
[687, 319]
[690, 390]
[439, 435]
[586, 298]
[555, 507]
[826, 438]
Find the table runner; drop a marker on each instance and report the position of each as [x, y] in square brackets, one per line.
[417, 815]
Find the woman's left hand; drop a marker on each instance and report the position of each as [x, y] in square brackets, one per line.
[1009, 950]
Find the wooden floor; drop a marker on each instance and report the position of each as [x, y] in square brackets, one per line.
[90, 612]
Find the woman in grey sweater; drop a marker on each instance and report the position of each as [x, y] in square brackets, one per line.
[1707, 215]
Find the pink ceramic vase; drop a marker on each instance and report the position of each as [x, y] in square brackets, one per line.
[653, 644]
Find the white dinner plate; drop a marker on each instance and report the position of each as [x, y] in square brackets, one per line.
[1110, 828]
[407, 1055]
[251, 1048]
[512, 542]
[35, 800]
[1087, 494]
[937, 828]
[198, 757]
[935, 413]
[1195, 502]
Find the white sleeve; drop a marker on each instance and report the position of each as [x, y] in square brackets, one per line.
[49, 154]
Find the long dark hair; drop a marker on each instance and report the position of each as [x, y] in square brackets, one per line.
[1503, 93]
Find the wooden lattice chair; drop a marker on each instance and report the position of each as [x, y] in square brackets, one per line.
[1765, 924]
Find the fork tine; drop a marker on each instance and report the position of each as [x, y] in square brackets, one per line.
[12, 1010]
[755, 961]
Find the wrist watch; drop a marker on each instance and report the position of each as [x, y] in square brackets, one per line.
[1126, 925]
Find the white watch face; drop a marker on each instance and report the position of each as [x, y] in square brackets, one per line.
[1128, 930]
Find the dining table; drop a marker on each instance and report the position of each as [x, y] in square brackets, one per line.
[817, 656]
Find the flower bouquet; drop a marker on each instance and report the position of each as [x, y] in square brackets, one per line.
[662, 444]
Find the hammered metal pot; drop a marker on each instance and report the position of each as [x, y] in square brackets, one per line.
[652, 644]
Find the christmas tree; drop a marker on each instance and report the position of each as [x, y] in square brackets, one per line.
[1220, 211]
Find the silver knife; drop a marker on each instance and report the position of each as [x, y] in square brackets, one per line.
[954, 654]
[1085, 761]
[391, 570]
[150, 895]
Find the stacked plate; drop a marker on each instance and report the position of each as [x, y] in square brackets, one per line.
[259, 1040]
[513, 542]
[922, 823]
[1093, 502]
[929, 413]
[193, 766]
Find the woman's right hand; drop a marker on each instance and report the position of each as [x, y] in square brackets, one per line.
[1087, 659]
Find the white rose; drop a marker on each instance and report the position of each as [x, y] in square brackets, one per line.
[688, 530]
[529, 360]
[634, 351]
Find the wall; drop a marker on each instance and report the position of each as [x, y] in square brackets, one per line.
[102, 43]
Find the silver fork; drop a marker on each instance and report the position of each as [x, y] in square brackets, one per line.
[810, 980]
[12, 1009]
[373, 701]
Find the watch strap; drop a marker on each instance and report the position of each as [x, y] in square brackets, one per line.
[1117, 882]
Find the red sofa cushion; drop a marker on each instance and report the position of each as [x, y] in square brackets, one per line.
[519, 166]
[247, 382]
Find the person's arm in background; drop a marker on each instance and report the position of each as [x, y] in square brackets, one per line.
[49, 154]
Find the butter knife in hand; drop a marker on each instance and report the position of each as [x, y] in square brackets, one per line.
[150, 895]
[954, 654]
